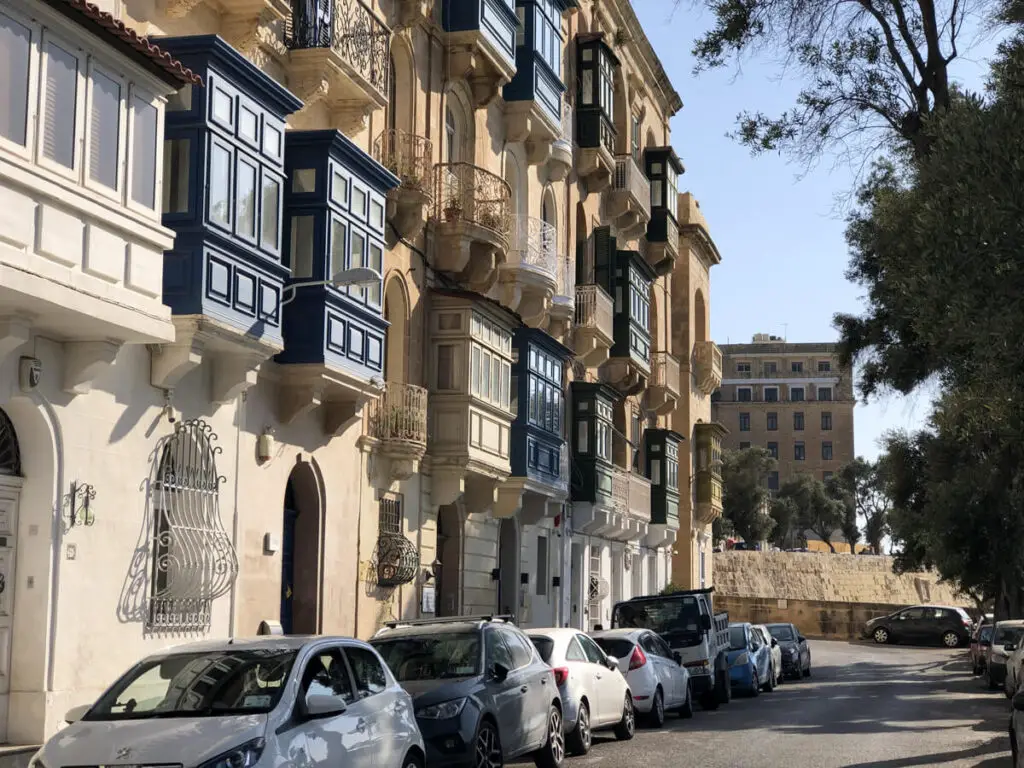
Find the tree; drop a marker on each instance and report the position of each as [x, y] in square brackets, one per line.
[815, 510]
[784, 512]
[874, 69]
[841, 492]
[864, 481]
[745, 492]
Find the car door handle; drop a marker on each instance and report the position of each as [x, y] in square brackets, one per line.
[361, 725]
[597, 675]
[523, 689]
[544, 680]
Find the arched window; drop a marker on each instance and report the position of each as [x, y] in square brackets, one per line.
[10, 454]
[392, 114]
[451, 136]
[193, 561]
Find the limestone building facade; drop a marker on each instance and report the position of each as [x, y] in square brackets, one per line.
[319, 314]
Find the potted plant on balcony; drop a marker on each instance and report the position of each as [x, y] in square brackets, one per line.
[452, 207]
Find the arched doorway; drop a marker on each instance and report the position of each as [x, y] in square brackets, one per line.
[396, 312]
[449, 548]
[301, 552]
[508, 567]
[10, 489]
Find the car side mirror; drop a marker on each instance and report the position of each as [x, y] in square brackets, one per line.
[1010, 647]
[678, 658]
[705, 622]
[775, 643]
[318, 705]
[499, 672]
[75, 714]
[801, 639]
[612, 662]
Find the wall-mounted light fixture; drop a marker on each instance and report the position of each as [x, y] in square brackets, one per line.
[265, 445]
[77, 509]
[430, 574]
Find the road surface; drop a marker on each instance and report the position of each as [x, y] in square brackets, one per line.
[865, 706]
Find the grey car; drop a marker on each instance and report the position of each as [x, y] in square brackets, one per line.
[481, 692]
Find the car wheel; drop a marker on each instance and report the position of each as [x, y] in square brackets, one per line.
[1014, 749]
[581, 738]
[412, 760]
[687, 709]
[807, 672]
[881, 636]
[552, 753]
[951, 639]
[627, 725]
[487, 747]
[657, 717]
[755, 688]
[992, 685]
[769, 684]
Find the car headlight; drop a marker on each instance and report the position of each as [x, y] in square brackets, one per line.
[741, 660]
[443, 711]
[244, 756]
[792, 653]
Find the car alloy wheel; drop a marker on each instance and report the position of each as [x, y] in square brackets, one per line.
[951, 639]
[584, 736]
[881, 635]
[556, 736]
[756, 688]
[488, 748]
[627, 724]
[658, 710]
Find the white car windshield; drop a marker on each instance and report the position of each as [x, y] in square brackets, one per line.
[231, 682]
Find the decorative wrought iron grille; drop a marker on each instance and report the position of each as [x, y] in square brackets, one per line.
[193, 560]
[466, 193]
[349, 27]
[408, 156]
[396, 560]
[10, 454]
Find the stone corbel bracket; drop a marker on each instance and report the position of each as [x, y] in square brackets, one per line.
[84, 361]
[15, 332]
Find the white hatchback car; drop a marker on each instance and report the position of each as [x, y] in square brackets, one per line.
[310, 701]
[594, 692]
[655, 677]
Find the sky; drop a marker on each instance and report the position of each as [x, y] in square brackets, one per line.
[779, 229]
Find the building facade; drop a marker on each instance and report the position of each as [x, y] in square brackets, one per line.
[315, 315]
[795, 400]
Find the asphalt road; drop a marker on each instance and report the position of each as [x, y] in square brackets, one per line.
[865, 706]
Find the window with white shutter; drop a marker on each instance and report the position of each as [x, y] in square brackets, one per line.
[104, 129]
[144, 152]
[60, 104]
[15, 50]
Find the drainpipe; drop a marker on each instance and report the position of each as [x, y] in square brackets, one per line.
[359, 540]
[239, 422]
[56, 534]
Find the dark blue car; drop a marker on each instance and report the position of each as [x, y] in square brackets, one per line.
[750, 660]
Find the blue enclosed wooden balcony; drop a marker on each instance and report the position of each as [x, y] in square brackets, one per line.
[663, 169]
[595, 110]
[629, 362]
[223, 190]
[333, 357]
[533, 100]
[662, 449]
[539, 481]
[480, 36]
[591, 425]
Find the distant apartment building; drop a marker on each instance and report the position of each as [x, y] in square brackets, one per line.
[793, 399]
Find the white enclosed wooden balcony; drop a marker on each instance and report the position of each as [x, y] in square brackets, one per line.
[663, 388]
[410, 158]
[339, 54]
[529, 276]
[707, 363]
[563, 304]
[628, 203]
[472, 224]
[593, 333]
[395, 426]
[631, 495]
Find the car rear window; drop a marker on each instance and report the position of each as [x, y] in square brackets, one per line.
[737, 639]
[1006, 635]
[619, 647]
[782, 633]
[544, 646]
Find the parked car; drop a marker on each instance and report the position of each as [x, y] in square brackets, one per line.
[1000, 658]
[776, 653]
[658, 682]
[593, 690]
[980, 642]
[750, 660]
[480, 690]
[924, 624]
[687, 622]
[796, 653]
[1017, 729]
[247, 702]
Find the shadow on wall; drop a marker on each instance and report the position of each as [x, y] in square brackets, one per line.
[834, 621]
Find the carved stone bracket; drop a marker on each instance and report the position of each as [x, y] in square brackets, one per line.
[170, 362]
[339, 414]
[508, 501]
[84, 361]
[295, 399]
[177, 9]
[446, 485]
[256, 35]
[232, 375]
[351, 117]
[310, 90]
[15, 332]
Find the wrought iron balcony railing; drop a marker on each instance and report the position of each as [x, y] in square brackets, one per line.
[534, 244]
[665, 372]
[566, 278]
[399, 415]
[466, 193]
[349, 27]
[594, 309]
[630, 179]
[409, 157]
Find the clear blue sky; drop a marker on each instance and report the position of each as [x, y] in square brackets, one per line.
[781, 237]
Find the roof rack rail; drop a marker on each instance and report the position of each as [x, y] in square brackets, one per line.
[449, 620]
[699, 591]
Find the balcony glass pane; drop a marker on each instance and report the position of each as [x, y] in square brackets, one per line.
[304, 180]
[15, 44]
[104, 129]
[358, 259]
[376, 264]
[246, 200]
[176, 175]
[61, 93]
[337, 247]
[144, 152]
[302, 246]
[271, 214]
[220, 185]
[475, 376]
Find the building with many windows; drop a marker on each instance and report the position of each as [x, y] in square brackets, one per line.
[319, 314]
[795, 400]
